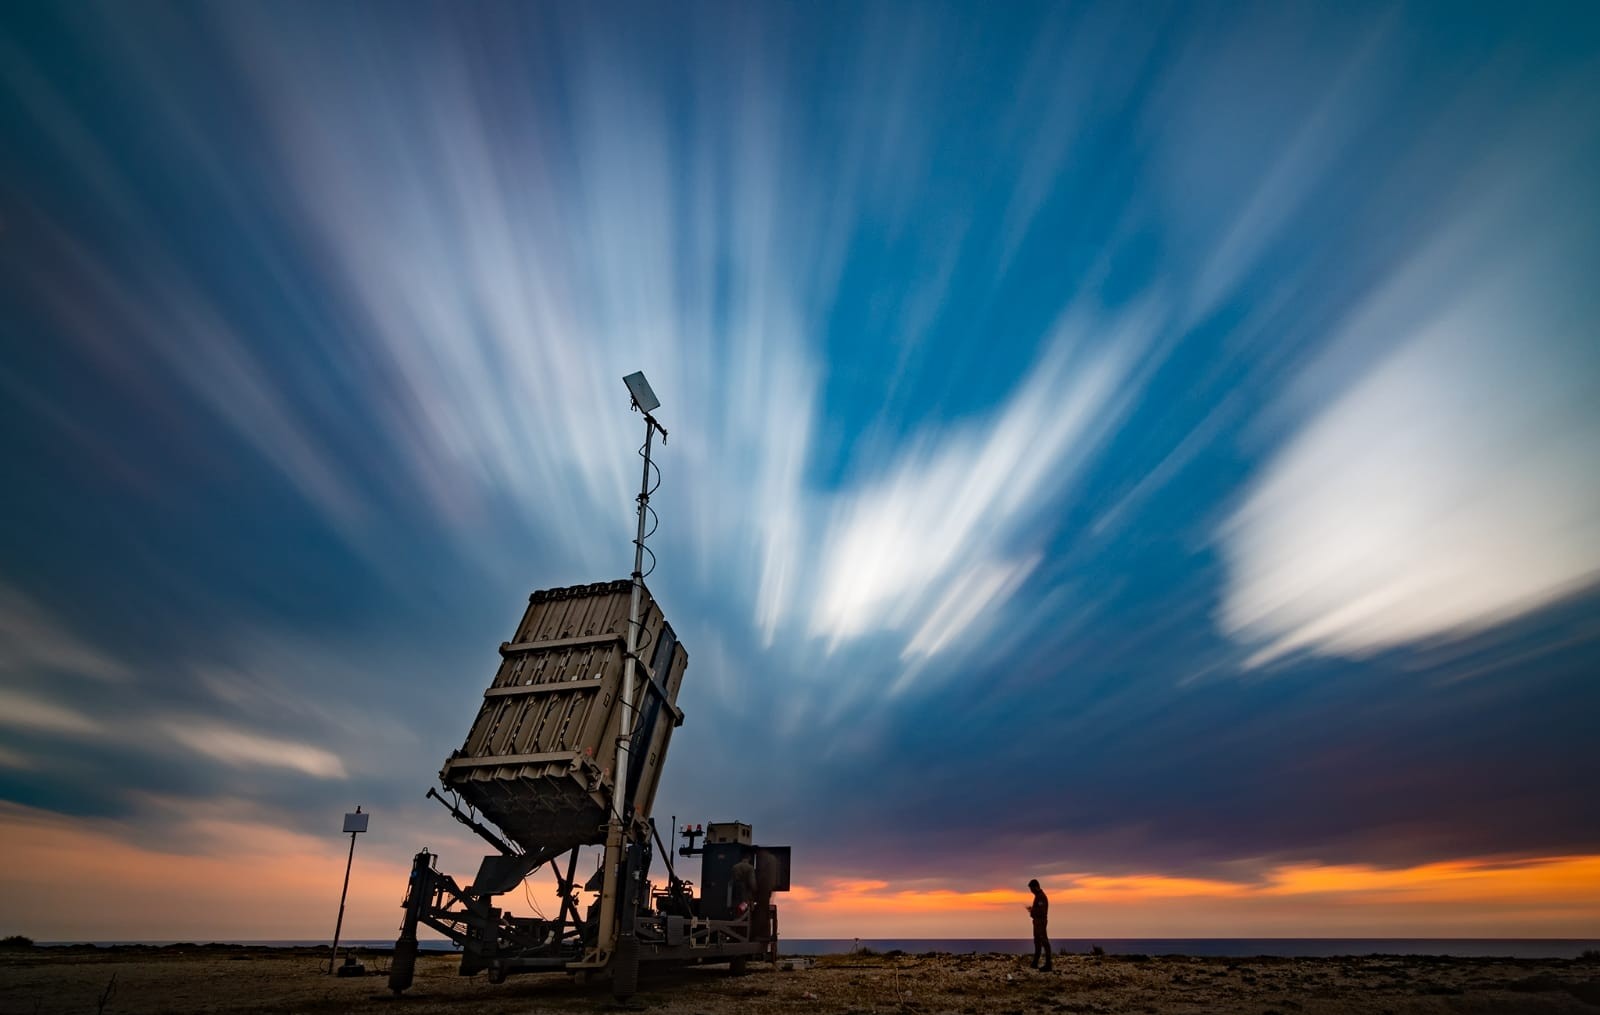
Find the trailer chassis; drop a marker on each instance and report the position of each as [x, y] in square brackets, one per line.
[652, 927]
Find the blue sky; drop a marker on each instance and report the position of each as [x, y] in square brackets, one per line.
[1104, 438]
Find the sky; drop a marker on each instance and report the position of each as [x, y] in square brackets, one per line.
[1150, 448]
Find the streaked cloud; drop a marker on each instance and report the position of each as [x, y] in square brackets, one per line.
[1273, 194]
[132, 724]
[1451, 488]
[475, 311]
[242, 748]
[25, 711]
[32, 641]
[938, 540]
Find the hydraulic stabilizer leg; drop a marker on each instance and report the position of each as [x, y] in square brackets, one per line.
[418, 891]
[625, 963]
[625, 968]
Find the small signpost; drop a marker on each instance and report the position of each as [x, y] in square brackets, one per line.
[354, 824]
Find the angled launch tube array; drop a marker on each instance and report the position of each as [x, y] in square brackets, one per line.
[537, 761]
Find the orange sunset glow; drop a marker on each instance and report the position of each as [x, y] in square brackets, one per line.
[80, 879]
[1548, 896]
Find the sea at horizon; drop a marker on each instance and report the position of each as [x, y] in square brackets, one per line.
[1516, 948]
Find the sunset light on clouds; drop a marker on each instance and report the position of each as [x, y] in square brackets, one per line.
[1147, 448]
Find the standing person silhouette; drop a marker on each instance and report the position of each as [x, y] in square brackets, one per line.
[1039, 909]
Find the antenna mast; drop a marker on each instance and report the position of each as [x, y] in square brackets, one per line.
[646, 402]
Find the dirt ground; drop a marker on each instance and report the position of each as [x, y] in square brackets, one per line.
[239, 979]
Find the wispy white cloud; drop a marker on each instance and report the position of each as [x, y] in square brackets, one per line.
[936, 540]
[508, 316]
[33, 641]
[1277, 195]
[1450, 488]
[238, 747]
[967, 596]
[509, 319]
[153, 318]
[25, 711]
[37, 643]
